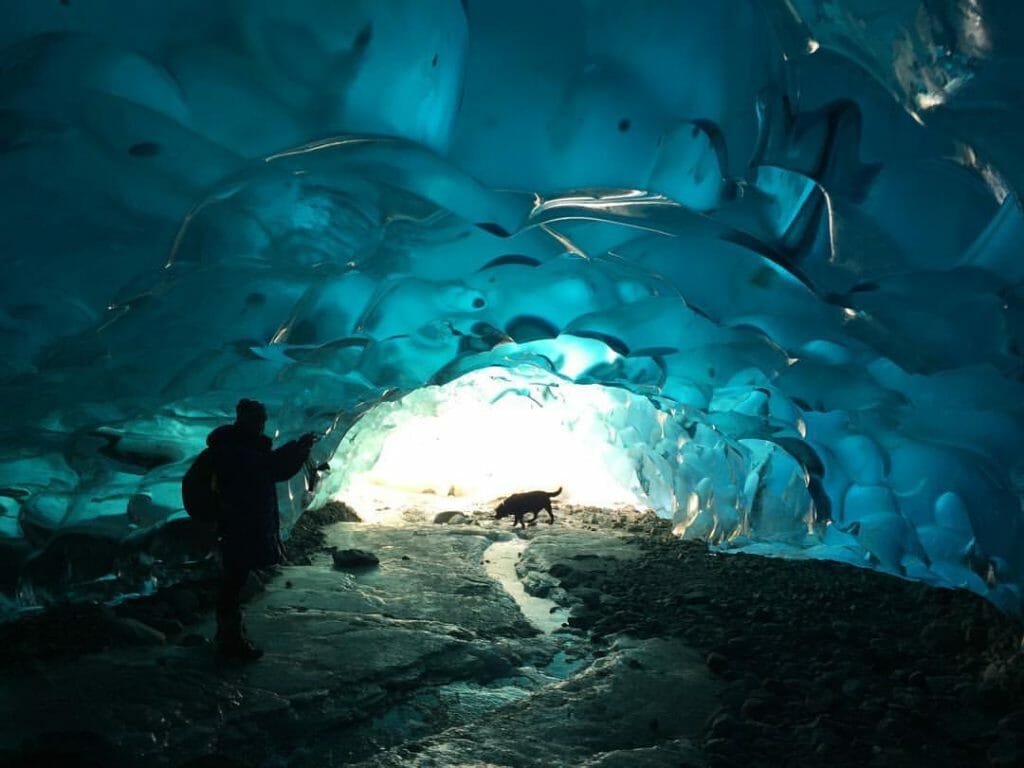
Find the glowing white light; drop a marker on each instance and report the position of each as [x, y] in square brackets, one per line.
[937, 96]
[467, 444]
[930, 100]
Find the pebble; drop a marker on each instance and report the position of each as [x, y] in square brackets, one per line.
[853, 687]
[723, 726]
[754, 708]
[717, 663]
[819, 701]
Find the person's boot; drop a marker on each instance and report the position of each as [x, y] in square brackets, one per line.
[231, 641]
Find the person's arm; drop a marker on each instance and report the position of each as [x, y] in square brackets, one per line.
[285, 461]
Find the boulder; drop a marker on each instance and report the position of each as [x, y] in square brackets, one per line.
[354, 558]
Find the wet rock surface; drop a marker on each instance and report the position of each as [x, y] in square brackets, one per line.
[668, 655]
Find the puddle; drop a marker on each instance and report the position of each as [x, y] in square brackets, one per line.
[500, 563]
[563, 666]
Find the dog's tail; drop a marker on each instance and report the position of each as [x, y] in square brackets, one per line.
[554, 493]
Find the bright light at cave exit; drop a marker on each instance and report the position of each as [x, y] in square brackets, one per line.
[464, 445]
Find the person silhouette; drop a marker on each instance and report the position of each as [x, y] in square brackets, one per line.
[246, 469]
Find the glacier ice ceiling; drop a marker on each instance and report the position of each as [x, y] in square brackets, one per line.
[779, 244]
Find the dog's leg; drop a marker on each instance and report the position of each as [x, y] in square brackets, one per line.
[551, 515]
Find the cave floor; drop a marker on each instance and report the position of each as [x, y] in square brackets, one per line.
[649, 652]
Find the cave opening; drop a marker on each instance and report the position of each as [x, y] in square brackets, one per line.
[489, 433]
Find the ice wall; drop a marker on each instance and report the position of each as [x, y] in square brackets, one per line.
[794, 227]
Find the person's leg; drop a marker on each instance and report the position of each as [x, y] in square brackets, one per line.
[230, 637]
[229, 597]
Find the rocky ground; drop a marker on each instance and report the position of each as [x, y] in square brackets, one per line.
[821, 663]
[669, 655]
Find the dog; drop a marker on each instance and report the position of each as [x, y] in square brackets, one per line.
[519, 504]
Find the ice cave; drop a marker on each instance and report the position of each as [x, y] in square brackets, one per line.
[754, 265]
[749, 270]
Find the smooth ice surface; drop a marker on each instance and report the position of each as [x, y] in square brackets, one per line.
[781, 239]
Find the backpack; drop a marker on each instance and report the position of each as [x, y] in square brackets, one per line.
[199, 489]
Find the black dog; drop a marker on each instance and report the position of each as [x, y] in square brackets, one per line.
[518, 504]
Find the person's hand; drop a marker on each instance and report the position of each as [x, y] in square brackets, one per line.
[307, 440]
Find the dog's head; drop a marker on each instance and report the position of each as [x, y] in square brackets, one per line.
[501, 511]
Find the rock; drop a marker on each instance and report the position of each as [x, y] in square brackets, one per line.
[605, 626]
[724, 748]
[941, 684]
[723, 726]
[823, 738]
[560, 570]
[942, 637]
[134, 632]
[169, 627]
[993, 697]
[590, 597]
[738, 646]
[754, 708]
[1007, 752]
[354, 558]
[717, 663]
[797, 685]
[762, 613]
[889, 728]
[1013, 722]
[853, 687]
[843, 630]
[820, 701]
[332, 512]
[976, 635]
[450, 517]
[538, 584]
[582, 617]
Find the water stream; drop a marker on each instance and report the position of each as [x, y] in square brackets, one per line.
[500, 563]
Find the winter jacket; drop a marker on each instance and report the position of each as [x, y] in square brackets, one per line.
[246, 468]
